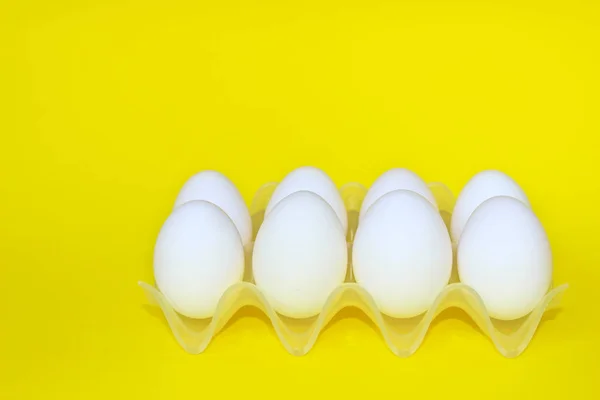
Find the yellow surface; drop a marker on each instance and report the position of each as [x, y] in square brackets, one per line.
[106, 107]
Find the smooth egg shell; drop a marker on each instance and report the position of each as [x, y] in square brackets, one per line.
[216, 188]
[300, 255]
[395, 179]
[504, 255]
[402, 253]
[197, 256]
[314, 180]
[481, 187]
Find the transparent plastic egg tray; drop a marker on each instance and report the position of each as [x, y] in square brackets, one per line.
[402, 336]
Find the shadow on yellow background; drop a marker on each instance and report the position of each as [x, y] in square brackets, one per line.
[107, 107]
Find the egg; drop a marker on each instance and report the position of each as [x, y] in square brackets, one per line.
[481, 187]
[402, 253]
[216, 188]
[197, 256]
[300, 255]
[314, 180]
[504, 255]
[394, 179]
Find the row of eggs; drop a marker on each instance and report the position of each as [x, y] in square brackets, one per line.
[402, 252]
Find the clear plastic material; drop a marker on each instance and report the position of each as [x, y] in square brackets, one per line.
[402, 336]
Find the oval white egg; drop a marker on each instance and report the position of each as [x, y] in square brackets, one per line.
[402, 253]
[197, 256]
[314, 180]
[216, 188]
[300, 255]
[504, 255]
[395, 179]
[481, 187]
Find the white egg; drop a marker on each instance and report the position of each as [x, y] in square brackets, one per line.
[300, 255]
[402, 253]
[394, 179]
[314, 180]
[481, 187]
[197, 256]
[504, 254]
[216, 188]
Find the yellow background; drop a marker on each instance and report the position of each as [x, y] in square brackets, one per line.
[107, 107]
